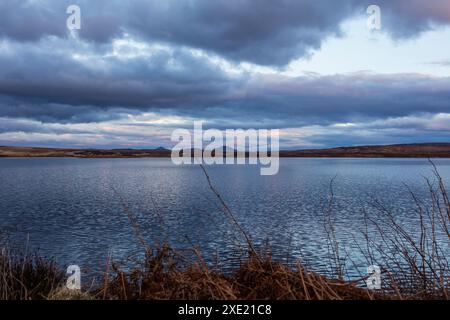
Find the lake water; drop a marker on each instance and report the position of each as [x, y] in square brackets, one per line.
[73, 209]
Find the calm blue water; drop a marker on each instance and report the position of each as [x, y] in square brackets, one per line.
[73, 209]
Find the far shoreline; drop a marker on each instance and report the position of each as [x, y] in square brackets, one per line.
[418, 150]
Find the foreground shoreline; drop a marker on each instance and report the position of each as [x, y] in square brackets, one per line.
[163, 275]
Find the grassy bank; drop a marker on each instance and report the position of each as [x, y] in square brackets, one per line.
[165, 276]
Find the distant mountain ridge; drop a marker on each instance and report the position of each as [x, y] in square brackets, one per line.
[415, 150]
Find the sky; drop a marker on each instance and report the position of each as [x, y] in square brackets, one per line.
[139, 69]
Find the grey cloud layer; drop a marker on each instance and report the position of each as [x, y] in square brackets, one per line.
[406, 18]
[265, 32]
[39, 81]
[53, 86]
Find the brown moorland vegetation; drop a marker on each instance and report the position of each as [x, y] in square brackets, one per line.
[420, 150]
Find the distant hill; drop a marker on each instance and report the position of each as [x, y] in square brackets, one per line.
[82, 153]
[419, 150]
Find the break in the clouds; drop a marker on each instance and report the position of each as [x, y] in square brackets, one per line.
[138, 69]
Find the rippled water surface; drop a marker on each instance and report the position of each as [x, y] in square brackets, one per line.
[75, 210]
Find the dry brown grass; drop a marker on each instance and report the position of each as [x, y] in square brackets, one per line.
[164, 277]
[27, 277]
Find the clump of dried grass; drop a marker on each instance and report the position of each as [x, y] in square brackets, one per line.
[27, 276]
[164, 276]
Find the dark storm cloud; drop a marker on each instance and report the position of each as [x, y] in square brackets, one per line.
[327, 99]
[40, 110]
[280, 102]
[407, 18]
[264, 32]
[28, 20]
[41, 82]
[54, 86]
